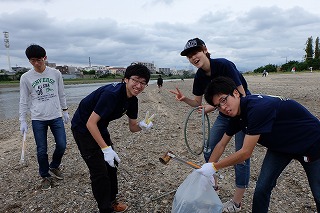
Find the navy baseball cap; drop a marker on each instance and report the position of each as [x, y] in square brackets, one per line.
[191, 45]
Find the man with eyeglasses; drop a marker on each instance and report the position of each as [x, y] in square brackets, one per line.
[198, 55]
[286, 128]
[90, 130]
[43, 87]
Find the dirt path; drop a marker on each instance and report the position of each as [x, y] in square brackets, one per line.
[142, 177]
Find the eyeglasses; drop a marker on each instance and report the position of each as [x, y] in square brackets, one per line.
[222, 102]
[136, 82]
[35, 60]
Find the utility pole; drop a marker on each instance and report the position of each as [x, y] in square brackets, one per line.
[7, 45]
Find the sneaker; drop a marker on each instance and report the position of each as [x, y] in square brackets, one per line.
[46, 183]
[119, 207]
[231, 206]
[56, 172]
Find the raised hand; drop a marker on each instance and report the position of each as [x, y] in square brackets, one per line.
[178, 93]
[146, 123]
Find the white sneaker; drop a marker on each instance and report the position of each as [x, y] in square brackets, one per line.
[230, 206]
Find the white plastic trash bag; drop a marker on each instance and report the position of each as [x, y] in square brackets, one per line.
[196, 195]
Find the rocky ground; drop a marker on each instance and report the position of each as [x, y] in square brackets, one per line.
[145, 184]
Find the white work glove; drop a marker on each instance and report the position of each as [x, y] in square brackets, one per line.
[23, 127]
[110, 155]
[207, 169]
[206, 182]
[146, 124]
[66, 117]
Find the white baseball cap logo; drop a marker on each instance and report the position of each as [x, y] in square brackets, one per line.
[192, 43]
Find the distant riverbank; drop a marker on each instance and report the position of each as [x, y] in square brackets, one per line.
[6, 84]
[75, 91]
[66, 82]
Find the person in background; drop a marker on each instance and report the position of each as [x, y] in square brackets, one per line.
[264, 73]
[208, 69]
[159, 82]
[89, 126]
[43, 87]
[286, 128]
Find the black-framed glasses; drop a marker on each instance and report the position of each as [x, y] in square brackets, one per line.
[136, 82]
[222, 102]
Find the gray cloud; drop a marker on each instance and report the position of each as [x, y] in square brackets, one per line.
[255, 38]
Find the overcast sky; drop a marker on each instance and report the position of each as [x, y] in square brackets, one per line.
[250, 33]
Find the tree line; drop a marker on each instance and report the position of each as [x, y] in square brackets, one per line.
[311, 60]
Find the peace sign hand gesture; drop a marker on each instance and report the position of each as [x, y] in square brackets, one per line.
[178, 93]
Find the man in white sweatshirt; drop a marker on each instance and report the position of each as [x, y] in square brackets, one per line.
[42, 92]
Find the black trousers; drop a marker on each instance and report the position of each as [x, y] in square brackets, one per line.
[104, 181]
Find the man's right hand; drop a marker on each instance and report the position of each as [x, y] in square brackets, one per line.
[23, 127]
[179, 95]
[207, 169]
[110, 155]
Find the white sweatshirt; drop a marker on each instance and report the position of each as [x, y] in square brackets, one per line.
[45, 93]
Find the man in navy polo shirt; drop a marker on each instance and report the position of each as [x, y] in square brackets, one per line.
[89, 128]
[286, 128]
[209, 68]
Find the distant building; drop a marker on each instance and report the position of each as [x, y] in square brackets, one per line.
[179, 72]
[165, 71]
[150, 66]
[63, 69]
[72, 70]
[19, 69]
[95, 68]
[52, 65]
[117, 70]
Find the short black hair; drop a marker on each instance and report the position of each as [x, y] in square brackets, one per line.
[35, 51]
[219, 85]
[138, 70]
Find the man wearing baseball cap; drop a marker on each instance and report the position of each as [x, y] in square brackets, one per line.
[198, 55]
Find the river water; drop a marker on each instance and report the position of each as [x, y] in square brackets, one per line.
[9, 97]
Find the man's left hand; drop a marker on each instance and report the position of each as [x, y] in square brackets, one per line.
[146, 124]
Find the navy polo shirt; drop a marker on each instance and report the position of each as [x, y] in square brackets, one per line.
[110, 102]
[284, 125]
[219, 67]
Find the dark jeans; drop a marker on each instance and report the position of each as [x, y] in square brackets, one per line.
[103, 177]
[40, 130]
[273, 165]
[242, 170]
